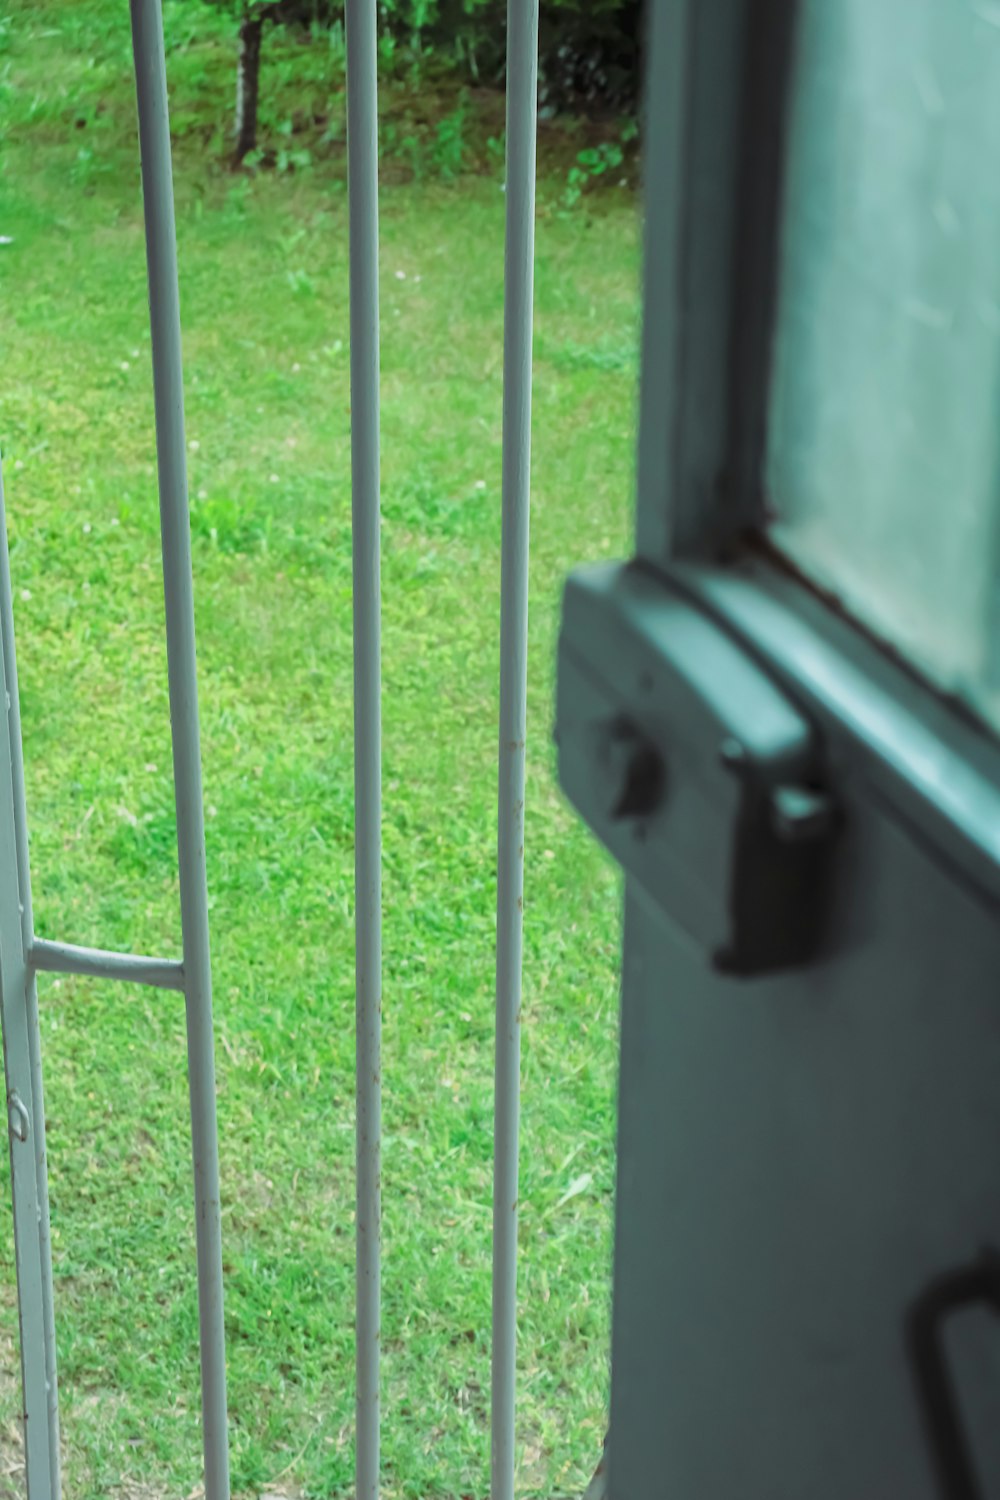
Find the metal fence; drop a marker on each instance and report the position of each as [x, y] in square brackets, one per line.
[22, 955]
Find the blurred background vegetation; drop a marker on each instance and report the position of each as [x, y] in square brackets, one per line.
[588, 49]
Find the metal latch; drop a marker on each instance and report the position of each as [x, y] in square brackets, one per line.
[694, 769]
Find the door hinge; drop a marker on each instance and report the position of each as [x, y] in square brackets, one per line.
[694, 769]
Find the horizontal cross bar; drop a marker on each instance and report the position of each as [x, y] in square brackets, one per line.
[99, 963]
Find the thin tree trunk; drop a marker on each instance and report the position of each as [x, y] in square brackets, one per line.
[248, 86]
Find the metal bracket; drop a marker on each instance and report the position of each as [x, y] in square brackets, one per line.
[694, 769]
[18, 1119]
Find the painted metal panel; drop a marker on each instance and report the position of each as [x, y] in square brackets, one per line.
[798, 1157]
[714, 104]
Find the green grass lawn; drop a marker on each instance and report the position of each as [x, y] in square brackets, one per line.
[264, 295]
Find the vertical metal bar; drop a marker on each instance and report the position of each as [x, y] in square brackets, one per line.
[168, 393]
[519, 261]
[362, 165]
[31, 999]
[22, 1116]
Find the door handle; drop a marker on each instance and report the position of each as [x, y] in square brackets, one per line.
[969, 1286]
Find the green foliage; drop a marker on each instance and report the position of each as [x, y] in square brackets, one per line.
[449, 141]
[231, 526]
[595, 162]
[264, 295]
[590, 163]
[290, 158]
[430, 126]
[588, 49]
[305, 13]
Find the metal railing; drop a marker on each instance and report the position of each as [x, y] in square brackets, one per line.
[22, 955]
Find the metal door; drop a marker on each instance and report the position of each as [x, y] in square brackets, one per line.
[802, 792]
